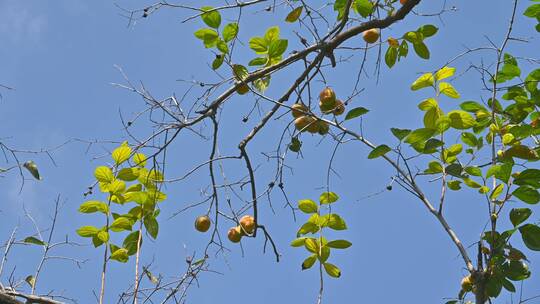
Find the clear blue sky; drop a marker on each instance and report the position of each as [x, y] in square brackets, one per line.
[59, 56]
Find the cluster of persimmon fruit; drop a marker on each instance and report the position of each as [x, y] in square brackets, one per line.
[328, 104]
[246, 226]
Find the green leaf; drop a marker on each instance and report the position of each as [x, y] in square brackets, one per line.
[277, 47]
[294, 14]
[334, 221]
[471, 183]
[400, 134]
[519, 215]
[308, 263]
[379, 151]
[130, 242]
[493, 286]
[531, 81]
[454, 185]
[516, 271]
[96, 241]
[328, 198]
[448, 90]
[211, 17]
[222, 46]
[431, 146]
[428, 104]
[325, 253]
[262, 84]
[104, 174]
[531, 236]
[473, 170]
[426, 80]
[298, 242]
[120, 255]
[116, 187]
[311, 245]
[121, 154]
[120, 224]
[103, 236]
[128, 174]
[527, 194]
[230, 31]
[431, 117]
[428, 30]
[31, 280]
[532, 11]
[469, 139]
[504, 172]
[240, 72]
[32, 168]
[413, 37]
[356, 112]
[339, 6]
[332, 270]
[258, 61]
[152, 226]
[403, 49]
[454, 170]
[216, 64]
[434, 167]
[94, 206]
[508, 285]
[419, 135]
[272, 34]
[444, 73]
[208, 36]
[364, 7]
[472, 106]
[308, 206]
[528, 177]
[390, 56]
[308, 228]
[496, 192]
[421, 50]
[34, 240]
[522, 152]
[339, 244]
[461, 120]
[139, 159]
[87, 231]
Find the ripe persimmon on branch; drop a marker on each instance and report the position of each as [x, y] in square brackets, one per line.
[486, 150]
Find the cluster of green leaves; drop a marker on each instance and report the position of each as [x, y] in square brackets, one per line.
[512, 129]
[398, 50]
[269, 48]
[317, 245]
[533, 11]
[363, 8]
[142, 196]
[211, 36]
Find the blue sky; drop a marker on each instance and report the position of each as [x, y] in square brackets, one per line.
[60, 56]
